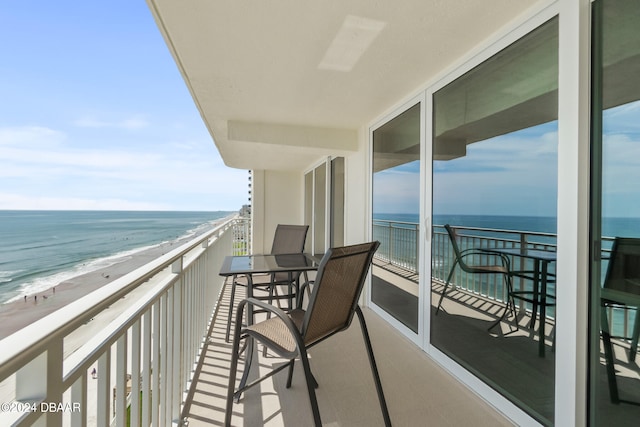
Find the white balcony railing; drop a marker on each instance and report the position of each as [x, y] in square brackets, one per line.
[144, 332]
[399, 247]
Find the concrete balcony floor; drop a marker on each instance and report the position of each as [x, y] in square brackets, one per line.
[418, 391]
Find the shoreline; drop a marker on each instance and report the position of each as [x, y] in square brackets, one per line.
[17, 314]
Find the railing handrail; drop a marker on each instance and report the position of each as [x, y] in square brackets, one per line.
[487, 230]
[396, 222]
[499, 230]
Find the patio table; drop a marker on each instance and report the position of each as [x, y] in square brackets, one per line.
[541, 260]
[249, 265]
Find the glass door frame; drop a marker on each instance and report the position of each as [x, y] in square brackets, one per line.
[326, 164]
[492, 48]
[310, 245]
[418, 338]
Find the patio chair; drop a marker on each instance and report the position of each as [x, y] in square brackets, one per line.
[333, 302]
[288, 239]
[502, 267]
[621, 289]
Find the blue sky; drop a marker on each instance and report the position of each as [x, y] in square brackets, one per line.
[513, 174]
[516, 174]
[95, 115]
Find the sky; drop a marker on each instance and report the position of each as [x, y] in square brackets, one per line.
[94, 114]
[516, 174]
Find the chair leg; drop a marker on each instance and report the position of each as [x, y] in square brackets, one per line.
[290, 377]
[609, 357]
[310, 387]
[511, 305]
[233, 295]
[634, 338]
[248, 358]
[444, 290]
[235, 354]
[374, 368]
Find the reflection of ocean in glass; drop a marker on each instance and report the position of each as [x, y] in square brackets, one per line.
[40, 249]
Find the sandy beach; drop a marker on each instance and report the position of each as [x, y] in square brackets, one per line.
[18, 314]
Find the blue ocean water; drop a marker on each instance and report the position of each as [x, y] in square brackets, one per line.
[39, 249]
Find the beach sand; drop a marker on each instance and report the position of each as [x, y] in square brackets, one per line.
[18, 314]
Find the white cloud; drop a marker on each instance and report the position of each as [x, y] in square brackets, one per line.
[17, 201]
[65, 157]
[44, 169]
[33, 136]
[128, 123]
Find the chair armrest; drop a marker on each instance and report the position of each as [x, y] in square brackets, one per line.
[272, 309]
[487, 252]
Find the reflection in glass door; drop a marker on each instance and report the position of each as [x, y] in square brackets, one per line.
[615, 215]
[495, 186]
[396, 195]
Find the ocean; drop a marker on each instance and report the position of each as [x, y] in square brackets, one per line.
[39, 249]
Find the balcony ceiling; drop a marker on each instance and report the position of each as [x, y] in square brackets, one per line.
[282, 83]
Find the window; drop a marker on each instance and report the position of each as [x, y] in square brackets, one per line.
[495, 181]
[324, 205]
[396, 196]
[615, 214]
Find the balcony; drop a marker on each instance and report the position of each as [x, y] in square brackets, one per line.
[164, 325]
[418, 391]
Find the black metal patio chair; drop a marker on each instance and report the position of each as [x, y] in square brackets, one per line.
[288, 239]
[501, 267]
[332, 305]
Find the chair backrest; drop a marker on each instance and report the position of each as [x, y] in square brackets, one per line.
[454, 244]
[339, 282]
[289, 239]
[623, 271]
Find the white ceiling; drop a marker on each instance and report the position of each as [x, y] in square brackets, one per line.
[267, 68]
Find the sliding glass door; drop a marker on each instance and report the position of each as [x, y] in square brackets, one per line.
[615, 214]
[324, 205]
[495, 186]
[395, 216]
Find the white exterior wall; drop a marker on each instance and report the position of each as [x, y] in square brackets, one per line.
[278, 198]
[356, 195]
